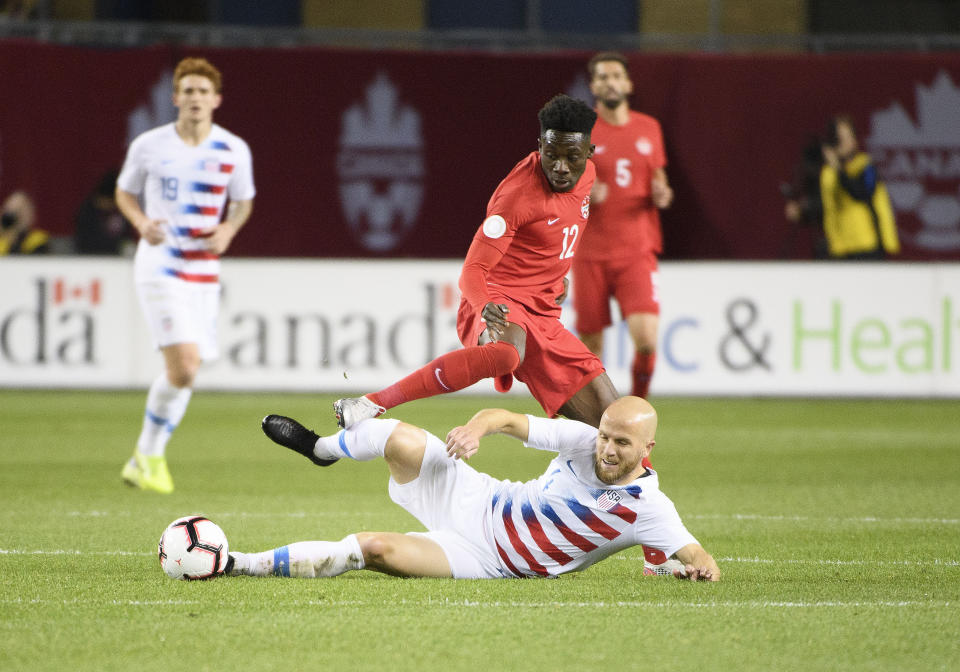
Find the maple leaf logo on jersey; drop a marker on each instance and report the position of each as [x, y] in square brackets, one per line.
[585, 207]
[159, 111]
[381, 167]
[921, 163]
[644, 146]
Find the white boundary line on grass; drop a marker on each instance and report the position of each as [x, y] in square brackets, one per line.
[935, 562]
[498, 604]
[860, 519]
[702, 516]
[909, 563]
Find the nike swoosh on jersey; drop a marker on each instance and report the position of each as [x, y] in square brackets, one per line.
[436, 372]
[551, 222]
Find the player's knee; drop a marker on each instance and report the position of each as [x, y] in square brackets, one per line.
[508, 355]
[182, 369]
[405, 445]
[376, 548]
[182, 376]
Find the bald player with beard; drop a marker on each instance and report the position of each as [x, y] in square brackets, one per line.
[594, 499]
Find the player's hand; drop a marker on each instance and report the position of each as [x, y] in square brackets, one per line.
[154, 231]
[218, 238]
[660, 193]
[831, 156]
[599, 192]
[691, 573]
[495, 315]
[462, 443]
[563, 295]
[792, 211]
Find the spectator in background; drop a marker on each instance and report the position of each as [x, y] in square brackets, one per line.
[858, 218]
[618, 254]
[20, 10]
[803, 207]
[17, 233]
[99, 226]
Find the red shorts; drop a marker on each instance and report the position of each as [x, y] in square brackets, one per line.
[631, 281]
[556, 365]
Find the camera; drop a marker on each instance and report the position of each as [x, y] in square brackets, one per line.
[8, 220]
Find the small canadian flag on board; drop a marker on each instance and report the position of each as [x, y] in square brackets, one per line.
[64, 291]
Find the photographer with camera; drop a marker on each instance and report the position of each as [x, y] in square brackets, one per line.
[858, 218]
[803, 207]
[17, 235]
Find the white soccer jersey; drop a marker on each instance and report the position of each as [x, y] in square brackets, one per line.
[188, 187]
[568, 519]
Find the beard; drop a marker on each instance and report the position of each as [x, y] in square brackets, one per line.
[612, 101]
[608, 477]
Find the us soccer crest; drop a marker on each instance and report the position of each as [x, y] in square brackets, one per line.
[608, 499]
[585, 207]
[381, 167]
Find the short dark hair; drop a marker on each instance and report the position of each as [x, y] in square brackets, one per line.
[830, 133]
[566, 114]
[604, 56]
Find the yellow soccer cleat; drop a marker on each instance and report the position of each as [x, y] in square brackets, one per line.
[148, 473]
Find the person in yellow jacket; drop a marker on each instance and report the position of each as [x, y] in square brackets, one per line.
[17, 235]
[858, 220]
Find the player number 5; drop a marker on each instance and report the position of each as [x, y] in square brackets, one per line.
[624, 176]
[569, 240]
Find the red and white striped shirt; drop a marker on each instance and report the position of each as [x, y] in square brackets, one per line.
[187, 187]
[568, 519]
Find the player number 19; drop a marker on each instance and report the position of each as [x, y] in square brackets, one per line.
[570, 234]
[169, 185]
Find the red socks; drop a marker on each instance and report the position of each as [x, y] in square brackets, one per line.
[450, 372]
[642, 370]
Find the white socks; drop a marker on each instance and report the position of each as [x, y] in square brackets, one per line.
[364, 441]
[304, 559]
[166, 405]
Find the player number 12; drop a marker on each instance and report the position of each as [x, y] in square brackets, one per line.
[570, 234]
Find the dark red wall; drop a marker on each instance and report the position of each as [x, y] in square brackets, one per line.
[734, 128]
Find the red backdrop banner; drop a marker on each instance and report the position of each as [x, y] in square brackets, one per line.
[394, 154]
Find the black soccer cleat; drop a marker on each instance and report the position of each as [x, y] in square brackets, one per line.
[291, 434]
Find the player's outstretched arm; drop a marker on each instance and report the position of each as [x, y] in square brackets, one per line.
[697, 563]
[464, 441]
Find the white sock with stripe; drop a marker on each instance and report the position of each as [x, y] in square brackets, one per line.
[363, 442]
[303, 560]
[165, 408]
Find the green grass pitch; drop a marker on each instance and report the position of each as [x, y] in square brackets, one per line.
[836, 523]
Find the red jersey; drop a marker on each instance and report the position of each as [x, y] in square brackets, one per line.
[526, 244]
[627, 157]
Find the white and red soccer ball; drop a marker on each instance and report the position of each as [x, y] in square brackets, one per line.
[193, 547]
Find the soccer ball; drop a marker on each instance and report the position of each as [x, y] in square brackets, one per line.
[193, 547]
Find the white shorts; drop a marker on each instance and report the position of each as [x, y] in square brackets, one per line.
[452, 500]
[182, 312]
